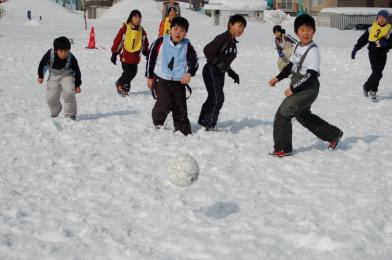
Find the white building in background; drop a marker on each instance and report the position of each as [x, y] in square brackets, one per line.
[221, 10]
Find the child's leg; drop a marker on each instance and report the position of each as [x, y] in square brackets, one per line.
[68, 87]
[179, 111]
[317, 126]
[214, 81]
[129, 72]
[377, 63]
[53, 93]
[289, 108]
[163, 105]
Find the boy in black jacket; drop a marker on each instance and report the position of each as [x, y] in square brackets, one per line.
[304, 67]
[64, 78]
[219, 53]
[377, 37]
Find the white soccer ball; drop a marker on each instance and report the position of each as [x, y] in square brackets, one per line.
[183, 170]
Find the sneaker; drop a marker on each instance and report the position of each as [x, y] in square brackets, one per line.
[120, 90]
[332, 145]
[280, 153]
[54, 115]
[373, 95]
[73, 118]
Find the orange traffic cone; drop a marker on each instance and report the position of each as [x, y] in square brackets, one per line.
[91, 40]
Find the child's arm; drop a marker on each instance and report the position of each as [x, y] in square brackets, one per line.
[286, 71]
[75, 67]
[152, 57]
[362, 41]
[117, 42]
[192, 63]
[41, 67]
[192, 60]
[145, 44]
[161, 26]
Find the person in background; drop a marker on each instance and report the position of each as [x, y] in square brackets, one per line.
[284, 45]
[130, 41]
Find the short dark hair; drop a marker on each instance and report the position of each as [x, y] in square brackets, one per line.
[304, 19]
[278, 28]
[134, 13]
[237, 18]
[61, 43]
[180, 22]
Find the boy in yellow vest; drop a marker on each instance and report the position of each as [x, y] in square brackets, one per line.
[377, 37]
[130, 41]
[164, 27]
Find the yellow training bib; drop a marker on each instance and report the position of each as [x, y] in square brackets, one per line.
[166, 26]
[378, 32]
[133, 39]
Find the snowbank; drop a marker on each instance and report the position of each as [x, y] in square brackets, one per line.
[355, 10]
[251, 5]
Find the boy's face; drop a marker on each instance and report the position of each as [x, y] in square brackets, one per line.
[62, 54]
[236, 29]
[381, 20]
[136, 20]
[305, 34]
[177, 33]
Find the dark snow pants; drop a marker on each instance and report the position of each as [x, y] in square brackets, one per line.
[214, 81]
[377, 63]
[171, 97]
[298, 106]
[129, 72]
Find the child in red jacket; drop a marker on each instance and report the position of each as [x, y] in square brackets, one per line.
[130, 40]
[164, 27]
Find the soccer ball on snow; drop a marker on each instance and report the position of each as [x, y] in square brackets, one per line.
[183, 170]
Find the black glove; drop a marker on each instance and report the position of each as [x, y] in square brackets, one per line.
[114, 58]
[383, 42]
[233, 75]
[353, 53]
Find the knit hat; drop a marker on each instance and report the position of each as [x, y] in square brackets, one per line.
[383, 13]
[61, 43]
[304, 19]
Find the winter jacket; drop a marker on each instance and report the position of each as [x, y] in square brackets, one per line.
[364, 39]
[156, 56]
[164, 23]
[221, 51]
[118, 46]
[59, 64]
[287, 42]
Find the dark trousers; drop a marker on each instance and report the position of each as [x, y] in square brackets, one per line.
[298, 106]
[214, 80]
[171, 97]
[129, 72]
[377, 63]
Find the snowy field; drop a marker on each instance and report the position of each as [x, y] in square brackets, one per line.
[97, 189]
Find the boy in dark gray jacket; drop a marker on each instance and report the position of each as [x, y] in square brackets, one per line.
[64, 78]
[219, 53]
[304, 67]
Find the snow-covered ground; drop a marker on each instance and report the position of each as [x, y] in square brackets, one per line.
[98, 188]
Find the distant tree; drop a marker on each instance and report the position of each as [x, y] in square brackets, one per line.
[84, 8]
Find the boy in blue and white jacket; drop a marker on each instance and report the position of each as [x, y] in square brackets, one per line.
[171, 64]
